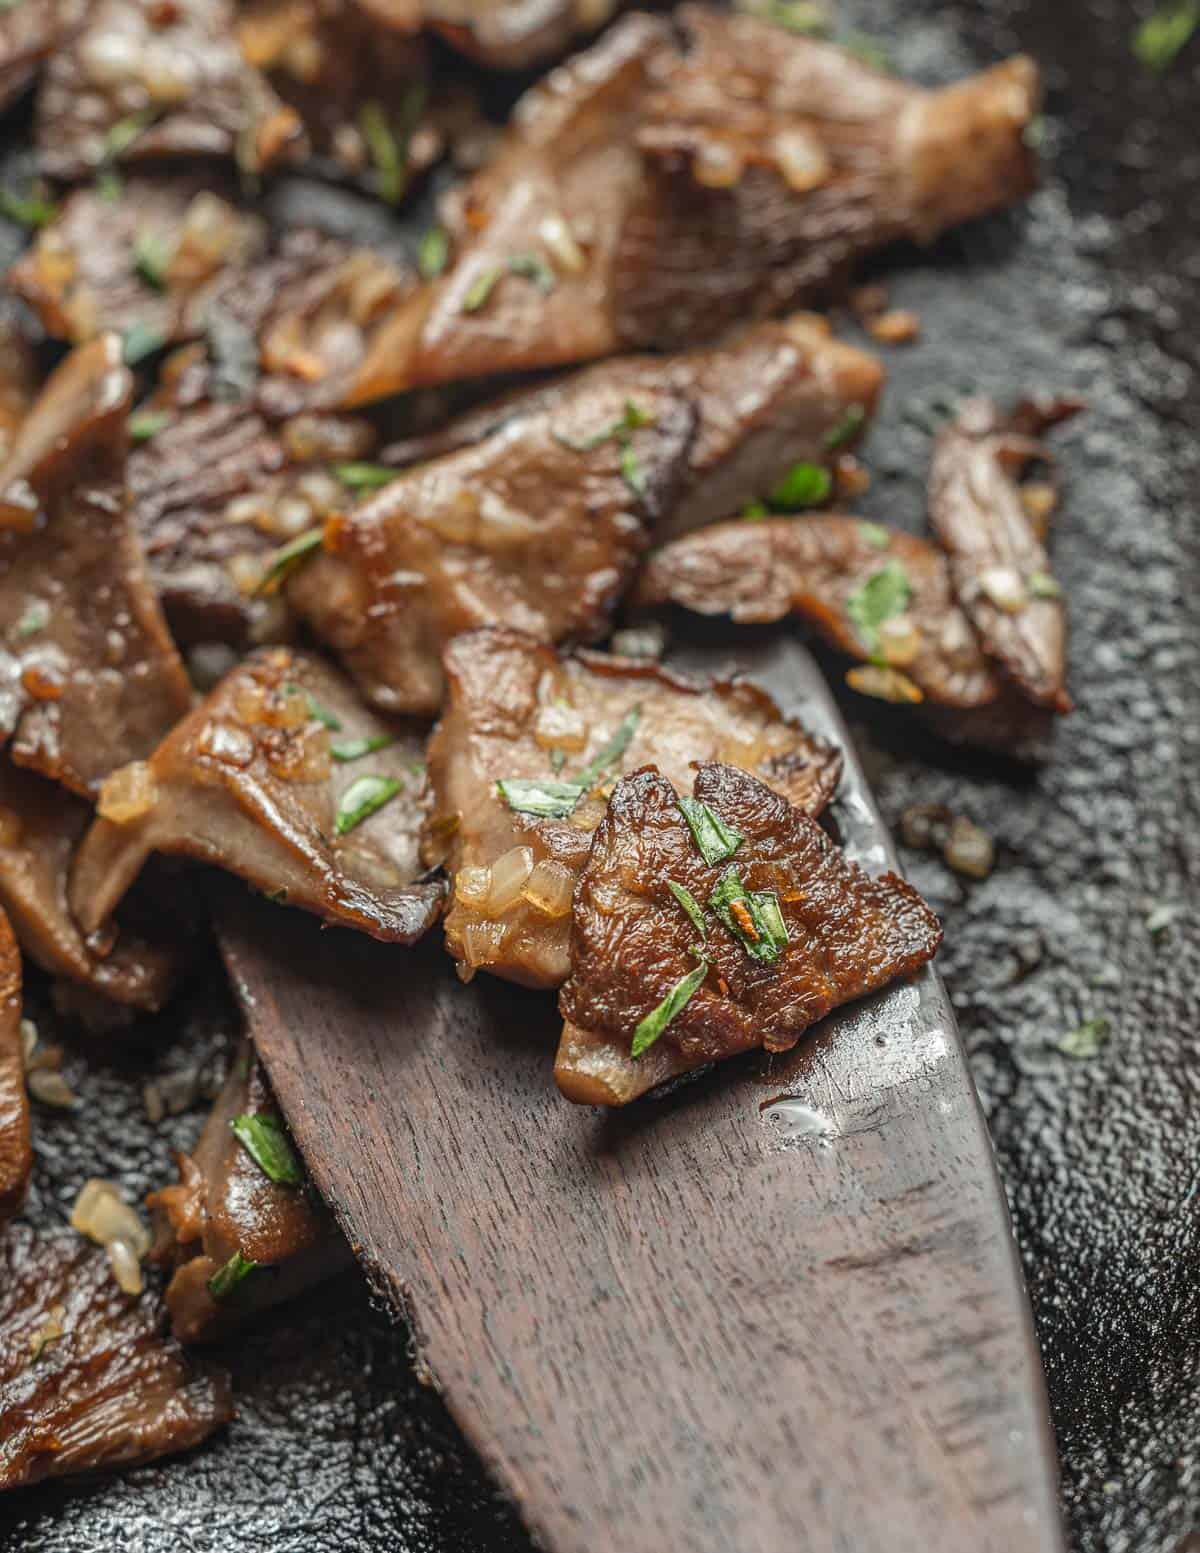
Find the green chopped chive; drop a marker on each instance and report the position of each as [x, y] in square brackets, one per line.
[1168, 30]
[611, 752]
[433, 253]
[151, 257]
[362, 799]
[322, 714]
[846, 429]
[28, 210]
[139, 341]
[226, 1279]
[109, 185]
[753, 917]
[802, 16]
[885, 593]
[36, 618]
[632, 472]
[755, 510]
[546, 800]
[531, 266]
[680, 995]
[714, 839]
[125, 131]
[690, 905]
[144, 424]
[386, 152]
[1087, 1040]
[287, 558]
[1043, 586]
[354, 749]
[631, 419]
[364, 477]
[263, 1138]
[804, 485]
[480, 290]
[875, 535]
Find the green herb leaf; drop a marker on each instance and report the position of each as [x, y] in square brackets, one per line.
[875, 535]
[691, 905]
[753, 917]
[547, 800]
[287, 558]
[802, 16]
[36, 618]
[714, 839]
[28, 210]
[755, 510]
[109, 185]
[631, 419]
[362, 799]
[151, 256]
[139, 341]
[263, 1138]
[1161, 37]
[804, 485]
[884, 594]
[226, 1279]
[125, 131]
[433, 253]
[144, 424]
[480, 290]
[1161, 918]
[610, 753]
[1087, 1040]
[1043, 586]
[650, 1028]
[365, 477]
[354, 749]
[531, 266]
[846, 429]
[386, 152]
[632, 472]
[323, 714]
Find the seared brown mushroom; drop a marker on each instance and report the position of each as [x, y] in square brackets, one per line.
[16, 1155]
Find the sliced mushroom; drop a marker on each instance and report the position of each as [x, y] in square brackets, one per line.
[16, 1155]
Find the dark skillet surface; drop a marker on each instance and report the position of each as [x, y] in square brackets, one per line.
[337, 1446]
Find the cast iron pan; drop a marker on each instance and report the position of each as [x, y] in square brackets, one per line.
[337, 1447]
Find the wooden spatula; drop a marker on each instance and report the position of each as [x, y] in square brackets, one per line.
[778, 1311]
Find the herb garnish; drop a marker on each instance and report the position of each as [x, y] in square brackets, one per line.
[752, 916]
[846, 429]
[714, 839]
[386, 151]
[354, 749]
[1087, 1040]
[144, 424]
[802, 16]
[125, 131]
[632, 472]
[546, 800]
[531, 266]
[650, 1028]
[109, 185]
[691, 905]
[611, 752]
[804, 485]
[885, 593]
[755, 510]
[875, 535]
[365, 477]
[322, 714]
[1043, 586]
[139, 341]
[1162, 36]
[28, 210]
[362, 799]
[631, 419]
[480, 290]
[151, 257]
[263, 1138]
[226, 1279]
[36, 618]
[287, 558]
[433, 253]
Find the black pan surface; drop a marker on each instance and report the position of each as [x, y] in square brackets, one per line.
[1096, 288]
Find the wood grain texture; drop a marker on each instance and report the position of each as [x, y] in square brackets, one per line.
[779, 1309]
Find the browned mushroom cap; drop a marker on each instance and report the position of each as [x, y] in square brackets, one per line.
[993, 536]
[16, 1154]
[140, 80]
[515, 34]
[225, 1203]
[282, 777]
[40, 828]
[108, 1389]
[89, 677]
[789, 929]
[519, 713]
[653, 195]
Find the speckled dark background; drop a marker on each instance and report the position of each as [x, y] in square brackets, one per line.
[1096, 287]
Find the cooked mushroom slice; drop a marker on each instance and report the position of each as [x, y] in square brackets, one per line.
[704, 933]
[359, 85]
[87, 1378]
[147, 263]
[527, 747]
[515, 34]
[651, 195]
[539, 523]
[992, 530]
[242, 1197]
[143, 79]
[40, 828]
[15, 1153]
[89, 677]
[280, 776]
[879, 594]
